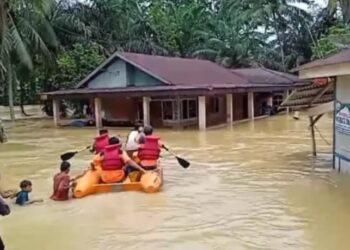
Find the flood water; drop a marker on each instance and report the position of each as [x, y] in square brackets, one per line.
[252, 186]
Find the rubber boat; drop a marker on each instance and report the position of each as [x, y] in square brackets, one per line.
[89, 184]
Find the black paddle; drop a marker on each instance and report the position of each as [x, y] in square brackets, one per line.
[67, 156]
[181, 161]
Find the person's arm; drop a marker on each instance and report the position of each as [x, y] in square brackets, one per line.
[93, 148]
[34, 201]
[78, 176]
[127, 160]
[11, 193]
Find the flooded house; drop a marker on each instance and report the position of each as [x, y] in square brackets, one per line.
[329, 93]
[174, 92]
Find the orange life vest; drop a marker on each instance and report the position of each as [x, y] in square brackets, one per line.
[111, 158]
[149, 152]
[101, 142]
[112, 164]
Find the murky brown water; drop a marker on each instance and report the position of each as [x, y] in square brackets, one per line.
[253, 186]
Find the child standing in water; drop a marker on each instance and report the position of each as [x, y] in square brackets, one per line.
[62, 183]
[23, 195]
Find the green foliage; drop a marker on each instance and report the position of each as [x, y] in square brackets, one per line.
[76, 63]
[337, 38]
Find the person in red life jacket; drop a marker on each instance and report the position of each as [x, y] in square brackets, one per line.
[112, 162]
[101, 141]
[62, 183]
[149, 150]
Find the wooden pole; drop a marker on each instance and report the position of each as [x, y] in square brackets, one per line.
[146, 111]
[98, 117]
[312, 124]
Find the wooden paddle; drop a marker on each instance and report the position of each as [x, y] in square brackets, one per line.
[181, 161]
[67, 156]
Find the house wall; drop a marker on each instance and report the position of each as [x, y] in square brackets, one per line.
[113, 76]
[215, 118]
[120, 109]
[121, 74]
[137, 77]
[240, 106]
[342, 124]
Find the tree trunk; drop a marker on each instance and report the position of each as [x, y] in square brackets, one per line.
[22, 100]
[345, 8]
[280, 42]
[10, 92]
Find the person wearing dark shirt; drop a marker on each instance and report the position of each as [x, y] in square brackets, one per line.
[23, 195]
[4, 210]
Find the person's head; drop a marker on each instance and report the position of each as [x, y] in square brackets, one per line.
[65, 167]
[138, 127]
[114, 141]
[103, 131]
[148, 130]
[26, 186]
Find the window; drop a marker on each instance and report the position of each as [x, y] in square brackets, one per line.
[189, 109]
[184, 109]
[192, 108]
[167, 107]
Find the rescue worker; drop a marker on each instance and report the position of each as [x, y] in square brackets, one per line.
[112, 161]
[100, 142]
[149, 150]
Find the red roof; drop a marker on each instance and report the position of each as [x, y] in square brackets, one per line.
[265, 76]
[175, 71]
[181, 71]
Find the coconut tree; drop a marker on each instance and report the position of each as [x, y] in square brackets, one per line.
[25, 33]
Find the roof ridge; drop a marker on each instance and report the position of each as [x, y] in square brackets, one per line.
[144, 69]
[240, 76]
[282, 74]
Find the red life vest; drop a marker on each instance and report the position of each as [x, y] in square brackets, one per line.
[150, 150]
[101, 142]
[111, 158]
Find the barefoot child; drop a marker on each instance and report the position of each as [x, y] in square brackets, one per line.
[23, 195]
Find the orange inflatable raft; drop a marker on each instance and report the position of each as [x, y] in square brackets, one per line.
[88, 184]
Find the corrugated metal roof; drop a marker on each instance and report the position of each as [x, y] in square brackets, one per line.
[310, 95]
[182, 71]
[341, 57]
[174, 70]
[265, 76]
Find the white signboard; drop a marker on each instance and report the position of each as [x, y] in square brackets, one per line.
[342, 118]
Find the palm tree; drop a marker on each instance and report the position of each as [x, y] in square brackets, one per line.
[24, 33]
